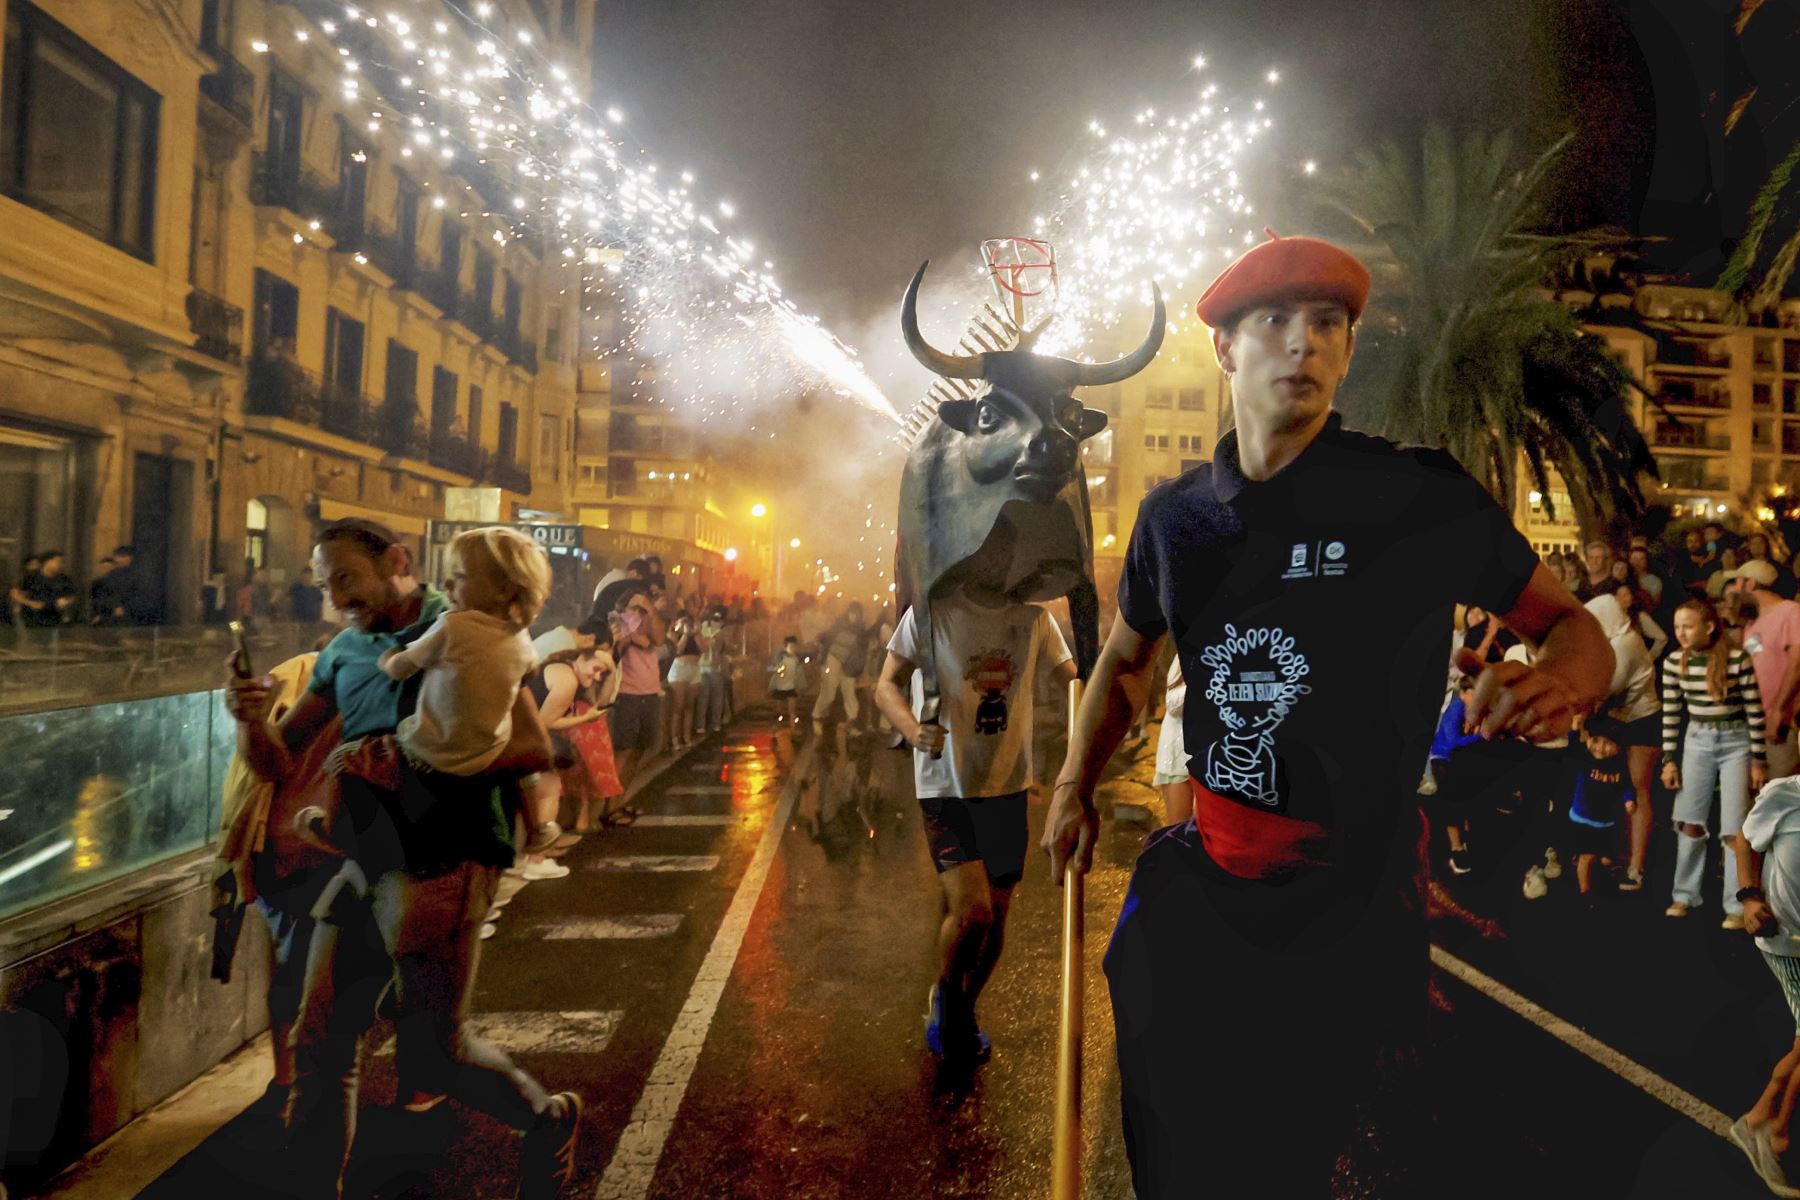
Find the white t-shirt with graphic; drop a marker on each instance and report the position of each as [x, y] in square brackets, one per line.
[987, 659]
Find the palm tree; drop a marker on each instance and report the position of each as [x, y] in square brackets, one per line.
[1758, 272]
[1462, 349]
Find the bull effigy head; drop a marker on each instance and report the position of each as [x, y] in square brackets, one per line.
[1028, 423]
[993, 498]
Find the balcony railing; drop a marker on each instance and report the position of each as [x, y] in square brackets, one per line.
[399, 430]
[231, 87]
[1688, 437]
[217, 325]
[280, 185]
[443, 290]
[1691, 397]
[280, 387]
[515, 345]
[457, 454]
[1685, 354]
[510, 475]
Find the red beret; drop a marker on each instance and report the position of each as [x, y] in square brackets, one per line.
[1286, 268]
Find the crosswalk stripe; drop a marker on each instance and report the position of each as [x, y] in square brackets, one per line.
[640, 925]
[633, 1167]
[670, 820]
[655, 862]
[1641, 1077]
[540, 1032]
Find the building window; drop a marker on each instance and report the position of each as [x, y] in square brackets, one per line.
[287, 106]
[1162, 441]
[443, 403]
[77, 133]
[275, 318]
[1191, 400]
[402, 378]
[549, 435]
[512, 302]
[1149, 441]
[256, 535]
[508, 449]
[343, 354]
[475, 414]
[406, 228]
[484, 282]
[353, 180]
[1159, 397]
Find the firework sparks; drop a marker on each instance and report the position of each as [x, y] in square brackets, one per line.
[479, 100]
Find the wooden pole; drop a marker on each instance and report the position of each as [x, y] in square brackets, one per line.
[1065, 1178]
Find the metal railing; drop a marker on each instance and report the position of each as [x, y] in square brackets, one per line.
[218, 326]
[231, 87]
[399, 429]
[457, 454]
[510, 475]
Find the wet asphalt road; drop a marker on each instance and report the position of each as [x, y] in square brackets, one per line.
[812, 1080]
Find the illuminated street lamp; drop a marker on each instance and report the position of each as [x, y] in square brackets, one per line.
[759, 509]
[731, 554]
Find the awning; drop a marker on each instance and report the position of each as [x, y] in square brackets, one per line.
[337, 510]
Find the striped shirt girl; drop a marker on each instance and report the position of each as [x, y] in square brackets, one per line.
[1687, 682]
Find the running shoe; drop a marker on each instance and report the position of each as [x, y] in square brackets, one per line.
[978, 1048]
[547, 1159]
[1677, 909]
[1552, 864]
[1535, 887]
[934, 1022]
[1763, 1159]
[546, 869]
[1732, 921]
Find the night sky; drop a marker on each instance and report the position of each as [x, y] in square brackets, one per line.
[857, 138]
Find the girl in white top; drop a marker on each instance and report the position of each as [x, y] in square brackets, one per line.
[474, 656]
[1171, 751]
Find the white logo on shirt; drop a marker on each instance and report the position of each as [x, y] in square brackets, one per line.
[1255, 681]
[1753, 643]
[1327, 559]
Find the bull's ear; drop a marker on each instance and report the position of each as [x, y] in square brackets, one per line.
[1090, 422]
[957, 414]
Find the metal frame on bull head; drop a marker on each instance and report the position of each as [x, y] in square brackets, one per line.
[993, 496]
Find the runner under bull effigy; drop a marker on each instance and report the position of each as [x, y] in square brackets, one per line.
[1269, 969]
[993, 516]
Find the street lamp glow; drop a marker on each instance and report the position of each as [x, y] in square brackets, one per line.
[759, 509]
[793, 543]
[731, 554]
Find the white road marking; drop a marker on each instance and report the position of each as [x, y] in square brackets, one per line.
[640, 925]
[700, 789]
[1641, 1077]
[633, 1166]
[540, 1032]
[667, 820]
[655, 862]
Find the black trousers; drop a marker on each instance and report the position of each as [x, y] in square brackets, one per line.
[1269, 1035]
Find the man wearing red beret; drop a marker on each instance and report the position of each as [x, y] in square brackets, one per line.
[1269, 968]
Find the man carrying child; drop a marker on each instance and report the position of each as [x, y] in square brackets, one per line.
[419, 876]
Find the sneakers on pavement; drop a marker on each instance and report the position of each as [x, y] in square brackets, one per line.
[1763, 1159]
[1535, 887]
[547, 1159]
[546, 869]
[1677, 909]
[542, 838]
[1732, 921]
[946, 1042]
[1552, 865]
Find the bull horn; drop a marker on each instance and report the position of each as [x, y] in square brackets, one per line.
[950, 366]
[1099, 374]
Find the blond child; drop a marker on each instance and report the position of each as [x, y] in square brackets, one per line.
[474, 658]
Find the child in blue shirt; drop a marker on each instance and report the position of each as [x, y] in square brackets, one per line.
[1601, 799]
[1448, 740]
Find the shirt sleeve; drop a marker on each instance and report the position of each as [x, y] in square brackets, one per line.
[1745, 674]
[1140, 591]
[905, 642]
[1055, 648]
[1671, 705]
[431, 645]
[324, 674]
[1488, 561]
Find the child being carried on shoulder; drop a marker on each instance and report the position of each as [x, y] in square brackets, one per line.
[474, 658]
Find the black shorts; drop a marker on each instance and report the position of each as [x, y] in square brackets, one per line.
[632, 721]
[783, 693]
[992, 831]
[1592, 839]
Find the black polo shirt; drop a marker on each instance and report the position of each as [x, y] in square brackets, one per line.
[1311, 614]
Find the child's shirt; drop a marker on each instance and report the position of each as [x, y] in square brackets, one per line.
[1450, 736]
[788, 674]
[473, 663]
[1686, 688]
[1601, 790]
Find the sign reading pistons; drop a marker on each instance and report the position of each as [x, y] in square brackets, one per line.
[1256, 678]
[990, 672]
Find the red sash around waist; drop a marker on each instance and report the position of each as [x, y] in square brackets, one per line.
[1252, 844]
